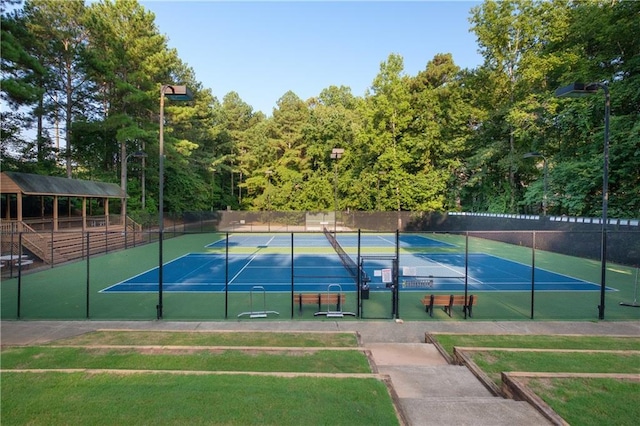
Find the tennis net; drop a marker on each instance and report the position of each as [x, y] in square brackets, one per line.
[348, 263]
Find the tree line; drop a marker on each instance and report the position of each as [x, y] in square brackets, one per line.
[81, 87]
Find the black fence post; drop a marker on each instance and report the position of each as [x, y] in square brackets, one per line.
[159, 307]
[52, 239]
[359, 283]
[88, 274]
[603, 271]
[396, 274]
[533, 271]
[19, 268]
[11, 251]
[226, 277]
[466, 272]
[292, 277]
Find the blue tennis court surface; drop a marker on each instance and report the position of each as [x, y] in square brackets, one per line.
[314, 272]
[485, 273]
[319, 240]
[207, 273]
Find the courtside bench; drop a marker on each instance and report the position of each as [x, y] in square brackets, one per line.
[320, 299]
[448, 302]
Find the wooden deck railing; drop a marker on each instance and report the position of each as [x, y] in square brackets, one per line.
[61, 246]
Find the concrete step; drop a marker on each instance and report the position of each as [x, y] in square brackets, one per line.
[405, 354]
[471, 411]
[427, 382]
[460, 399]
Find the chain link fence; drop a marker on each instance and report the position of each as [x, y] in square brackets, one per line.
[63, 288]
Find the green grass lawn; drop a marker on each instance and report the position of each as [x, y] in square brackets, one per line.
[182, 338]
[190, 397]
[494, 362]
[321, 361]
[166, 399]
[448, 341]
[591, 402]
[578, 401]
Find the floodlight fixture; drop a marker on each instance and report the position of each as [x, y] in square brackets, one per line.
[578, 90]
[177, 93]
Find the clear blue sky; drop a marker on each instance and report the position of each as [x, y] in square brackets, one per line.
[263, 49]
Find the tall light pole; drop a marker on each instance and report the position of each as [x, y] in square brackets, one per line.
[336, 154]
[176, 93]
[544, 168]
[578, 90]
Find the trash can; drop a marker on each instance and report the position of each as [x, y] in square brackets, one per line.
[364, 291]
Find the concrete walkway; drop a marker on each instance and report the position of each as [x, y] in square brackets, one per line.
[430, 391]
[427, 389]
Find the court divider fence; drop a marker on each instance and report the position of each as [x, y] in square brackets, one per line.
[402, 275]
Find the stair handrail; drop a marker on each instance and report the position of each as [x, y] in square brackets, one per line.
[38, 247]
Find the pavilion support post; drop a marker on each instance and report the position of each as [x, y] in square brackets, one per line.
[84, 214]
[19, 203]
[106, 214]
[55, 213]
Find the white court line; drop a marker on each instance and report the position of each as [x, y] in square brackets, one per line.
[125, 283]
[243, 268]
[247, 264]
[393, 243]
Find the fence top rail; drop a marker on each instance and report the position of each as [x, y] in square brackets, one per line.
[569, 219]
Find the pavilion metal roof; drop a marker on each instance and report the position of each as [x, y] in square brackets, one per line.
[31, 184]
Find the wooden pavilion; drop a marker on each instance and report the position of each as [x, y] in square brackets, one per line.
[20, 185]
[43, 233]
